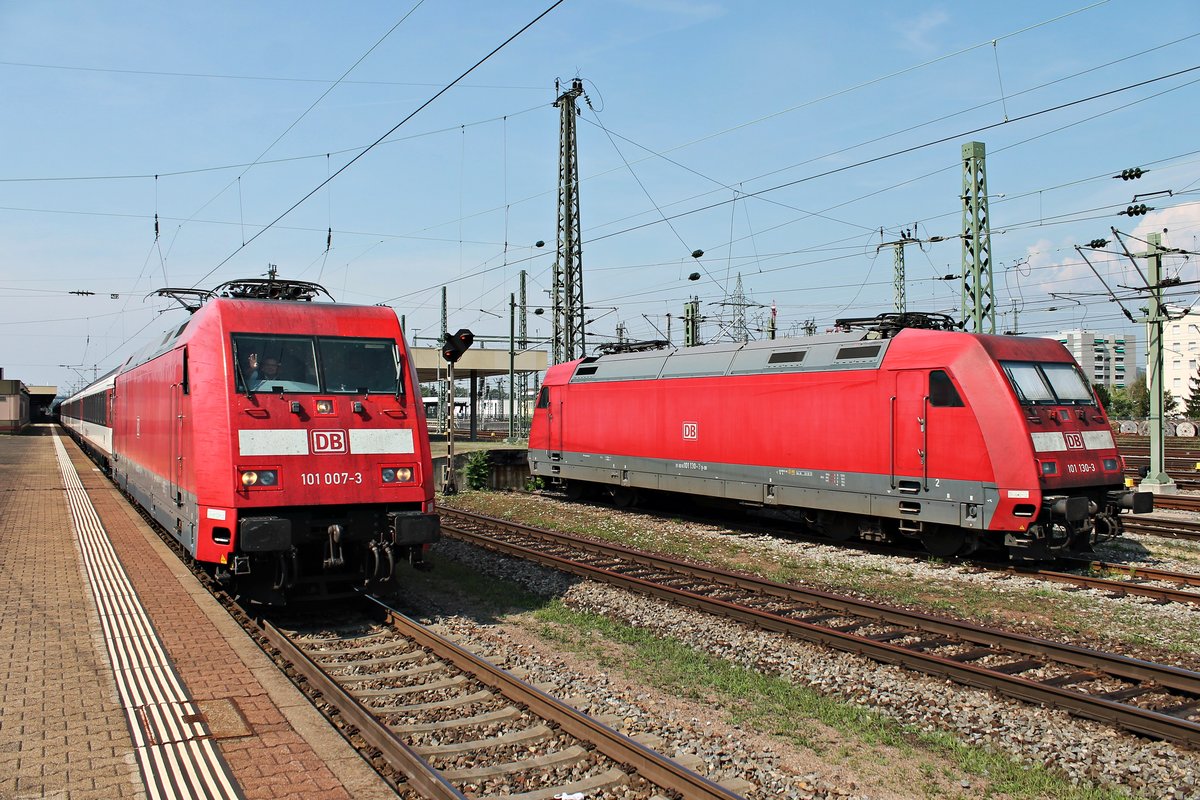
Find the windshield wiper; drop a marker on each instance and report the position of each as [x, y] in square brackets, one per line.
[242, 378]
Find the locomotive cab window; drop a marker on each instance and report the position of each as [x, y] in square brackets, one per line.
[308, 364]
[942, 393]
[266, 363]
[1047, 383]
[543, 400]
[1068, 384]
[359, 366]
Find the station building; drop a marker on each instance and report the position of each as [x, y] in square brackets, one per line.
[20, 404]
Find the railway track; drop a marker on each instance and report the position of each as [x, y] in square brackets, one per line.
[454, 725]
[1146, 698]
[378, 712]
[1118, 579]
[1133, 580]
[1177, 502]
[1169, 527]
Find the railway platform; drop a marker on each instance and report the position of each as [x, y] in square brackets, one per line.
[120, 676]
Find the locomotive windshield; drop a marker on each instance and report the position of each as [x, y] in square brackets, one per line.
[1048, 384]
[315, 364]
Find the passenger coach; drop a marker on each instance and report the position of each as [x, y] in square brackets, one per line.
[281, 441]
[953, 439]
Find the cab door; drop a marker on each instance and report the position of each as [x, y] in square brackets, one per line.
[179, 388]
[910, 432]
[555, 420]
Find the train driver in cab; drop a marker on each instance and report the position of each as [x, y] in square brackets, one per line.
[264, 372]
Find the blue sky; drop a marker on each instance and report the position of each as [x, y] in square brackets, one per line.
[777, 137]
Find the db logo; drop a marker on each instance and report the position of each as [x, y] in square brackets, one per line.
[1074, 441]
[691, 430]
[328, 441]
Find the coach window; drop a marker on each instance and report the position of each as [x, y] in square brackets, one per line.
[942, 392]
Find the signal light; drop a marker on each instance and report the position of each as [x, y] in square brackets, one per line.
[1131, 174]
[457, 344]
[1136, 210]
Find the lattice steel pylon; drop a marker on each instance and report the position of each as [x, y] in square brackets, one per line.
[568, 261]
[978, 301]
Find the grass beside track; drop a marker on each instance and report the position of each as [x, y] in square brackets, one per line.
[1044, 610]
[922, 764]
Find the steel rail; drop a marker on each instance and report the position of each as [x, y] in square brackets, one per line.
[1180, 502]
[1139, 720]
[1125, 586]
[420, 775]
[654, 767]
[1164, 527]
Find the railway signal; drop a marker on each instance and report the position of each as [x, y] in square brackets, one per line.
[457, 344]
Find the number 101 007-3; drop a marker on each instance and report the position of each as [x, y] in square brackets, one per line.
[330, 478]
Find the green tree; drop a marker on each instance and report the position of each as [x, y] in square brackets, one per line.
[1192, 407]
[1119, 404]
[1104, 395]
[1139, 395]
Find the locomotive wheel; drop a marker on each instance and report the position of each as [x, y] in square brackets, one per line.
[837, 527]
[624, 497]
[578, 490]
[941, 540]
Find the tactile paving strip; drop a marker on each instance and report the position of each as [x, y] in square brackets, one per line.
[175, 750]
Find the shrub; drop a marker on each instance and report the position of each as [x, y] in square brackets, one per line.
[478, 470]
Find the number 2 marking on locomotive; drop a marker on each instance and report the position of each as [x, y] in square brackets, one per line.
[691, 430]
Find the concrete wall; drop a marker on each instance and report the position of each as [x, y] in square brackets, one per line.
[507, 469]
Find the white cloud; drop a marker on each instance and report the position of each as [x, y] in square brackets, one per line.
[917, 33]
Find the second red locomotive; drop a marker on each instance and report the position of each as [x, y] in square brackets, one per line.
[953, 439]
[281, 441]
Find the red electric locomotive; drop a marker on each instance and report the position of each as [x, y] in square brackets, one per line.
[953, 439]
[282, 441]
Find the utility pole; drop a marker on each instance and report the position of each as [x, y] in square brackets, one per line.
[512, 358]
[1157, 480]
[740, 332]
[442, 387]
[691, 322]
[523, 343]
[568, 261]
[897, 246]
[978, 301]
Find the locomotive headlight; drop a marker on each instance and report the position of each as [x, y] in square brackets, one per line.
[1110, 465]
[397, 474]
[1049, 467]
[324, 406]
[260, 477]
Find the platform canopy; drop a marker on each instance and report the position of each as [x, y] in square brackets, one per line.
[477, 362]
